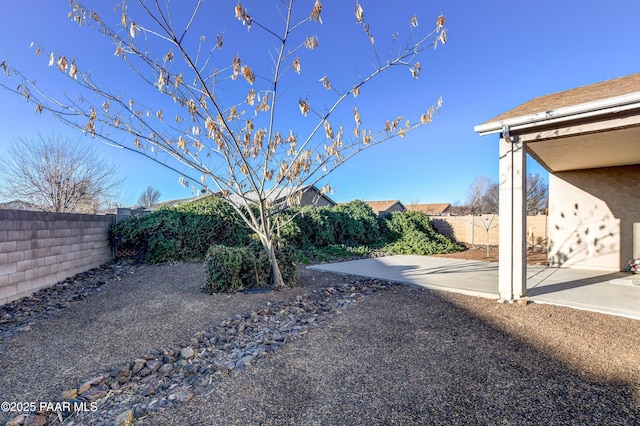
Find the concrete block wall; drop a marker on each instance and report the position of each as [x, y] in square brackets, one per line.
[472, 229]
[39, 249]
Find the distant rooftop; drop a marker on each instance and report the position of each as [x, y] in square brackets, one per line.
[383, 205]
[433, 209]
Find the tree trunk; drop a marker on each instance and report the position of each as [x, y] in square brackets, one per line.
[278, 281]
[276, 276]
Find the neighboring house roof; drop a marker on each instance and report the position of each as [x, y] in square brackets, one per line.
[171, 203]
[311, 196]
[432, 209]
[307, 189]
[176, 202]
[381, 207]
[19, 205]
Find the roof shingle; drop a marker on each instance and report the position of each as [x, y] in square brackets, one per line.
[580, 95]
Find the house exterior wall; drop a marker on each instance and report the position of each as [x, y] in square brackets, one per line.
[313, 198]
[592, 215]
[397, 207]
[38, 249]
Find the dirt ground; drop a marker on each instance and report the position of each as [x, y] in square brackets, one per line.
[405, 355]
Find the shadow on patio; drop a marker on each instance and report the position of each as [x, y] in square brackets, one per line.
[576, 288]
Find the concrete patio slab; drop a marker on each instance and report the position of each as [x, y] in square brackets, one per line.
[587, 289]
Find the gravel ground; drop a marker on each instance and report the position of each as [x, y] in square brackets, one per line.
[411, 356]
[400, 355]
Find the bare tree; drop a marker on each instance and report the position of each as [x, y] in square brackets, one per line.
[537, 194]
[232, 121]
[492, 199]
[58, 175]
[149, 197]
[457, 208]
[482, 196]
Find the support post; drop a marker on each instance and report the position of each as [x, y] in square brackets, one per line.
[512, 269]
[636, 240]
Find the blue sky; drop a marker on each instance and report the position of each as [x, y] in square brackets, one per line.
[499, 54]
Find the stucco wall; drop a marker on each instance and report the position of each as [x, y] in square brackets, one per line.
[38, 249]
[592, 215]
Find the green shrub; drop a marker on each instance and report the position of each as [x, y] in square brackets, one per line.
[287, 257]
[223, 267]
[356, 224]
[314, 227]
[309, 228]
[230, 269]
[306, 227]
[181, 233]
[219, 217]
[289, 232]
[412, 232]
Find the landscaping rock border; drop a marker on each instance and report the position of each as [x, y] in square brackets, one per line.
[164, 377]
[24, 313]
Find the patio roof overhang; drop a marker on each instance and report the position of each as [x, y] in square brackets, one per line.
[588, 127]
[601, 133]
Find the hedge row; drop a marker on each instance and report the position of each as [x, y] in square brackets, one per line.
[351, 224]
[412, 232]
[211, 228]
[184, 232]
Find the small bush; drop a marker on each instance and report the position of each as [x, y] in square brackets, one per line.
[230, 269]
[223, 266]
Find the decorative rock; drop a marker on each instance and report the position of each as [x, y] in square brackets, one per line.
[187, 352]
[71, 393]
[93, 395]
[122, 374]
[93, 381]
[166, 368]
[183, 396]
[138, 365]
[16, 421]
[150, 390]
[36, 420]
[124, 419]
[164, 374]
[153, 365]
[139, 411]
